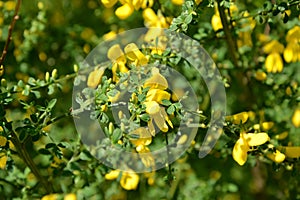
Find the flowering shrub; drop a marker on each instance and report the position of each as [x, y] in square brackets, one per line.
[129, 119]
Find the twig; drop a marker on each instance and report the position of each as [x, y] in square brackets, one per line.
[10, 29]
[232, 48]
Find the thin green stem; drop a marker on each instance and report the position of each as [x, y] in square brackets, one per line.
[21, 149]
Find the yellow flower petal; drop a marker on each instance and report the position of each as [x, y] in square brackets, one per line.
[129, 180]
[256, 139]
[273, 46]
[114, 98]
[216, 22]
[239, 118]
[260, 75]
[291, 152]
[157, 95]
[296, 118]
[267, 125]
[156, 81]
[113, 174]
[240, 150]
[288, 54]
[115, 53]
[109, 3]
[124, 11]
[149, 15]
[152, 107]
[277, 156]
[159, 120]
[50, 197]
[144, 137]
[3, 140]
[178, 2]
[282, 135]
[274, 63]
[70, 197]
[293, 34]
[95, 77]
[134, 54]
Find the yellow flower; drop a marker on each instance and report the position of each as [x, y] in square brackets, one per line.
[154, 20]
[198, 1]
[243, 144]
[282, 135]
[290, 152]
[296, 118]
[50, 197]
[159, 116]
[124, 11]
[10, 5]
[129, 180]
[70, 196]
[3, 140]
[216, 22]
[109, 3]
[260, 75]
[116, 55]
[134, 54]
[274, 63]
[273, 46]
[95, 77]
[178, 2]
[3, 160]
[144, 138]
[276, 156]
[292, 51]
[238, 118]
[156, 81]
[157, 95]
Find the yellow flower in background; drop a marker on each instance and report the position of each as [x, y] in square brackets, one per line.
[296, 118]
[260, 75]
[273, 62]
[70, 196]
[95, 77]
[3, 140]
[290, 152]
[238, 118]
[128, 181]
[50, 197]
[276, 156]
[292, 51]
[216, 21]
[247, 26]
[243, 144]
[124, 11]
[154, 20]
[109, 3]
[3, 160]
[178, 2]
[10, 5]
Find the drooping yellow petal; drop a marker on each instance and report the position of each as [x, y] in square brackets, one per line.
[216, 22]
[113, 174]
[293, 34]
[157, 95]
[129, 180]
[160, 121]
[149, 15]
[133, 53]
[277, 156]
[291, 152]
[3, 160]
[296, 118]
[109, 3]
[288, 54]
[274, 63]
[95, 77]
[256, 139]
[124, 11]
[240, 150]
[50, 197]
[70, 196]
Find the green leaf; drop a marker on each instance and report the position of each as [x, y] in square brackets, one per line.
[171, 109]
[166, 102]
[51, 104]
[145, 117]
[44, 151]
[117, 134]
